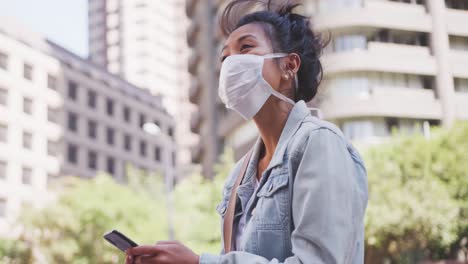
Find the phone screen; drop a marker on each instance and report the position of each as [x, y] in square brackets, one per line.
[119, 240]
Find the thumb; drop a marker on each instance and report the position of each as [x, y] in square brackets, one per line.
[144, 250]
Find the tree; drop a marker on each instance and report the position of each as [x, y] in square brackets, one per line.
[70, 230]
[197, 221]
[417, 196]
[15, 252]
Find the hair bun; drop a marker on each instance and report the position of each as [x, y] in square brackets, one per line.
[284, 8]
[236, 9]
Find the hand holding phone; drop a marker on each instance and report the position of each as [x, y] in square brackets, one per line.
[119, 240]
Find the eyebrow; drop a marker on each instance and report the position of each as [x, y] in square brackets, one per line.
[241, 38]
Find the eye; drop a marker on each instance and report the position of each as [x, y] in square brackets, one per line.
[245, 46]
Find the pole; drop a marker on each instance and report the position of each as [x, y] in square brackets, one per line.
[169, 184]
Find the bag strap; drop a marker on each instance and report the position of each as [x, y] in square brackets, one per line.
[229, 216]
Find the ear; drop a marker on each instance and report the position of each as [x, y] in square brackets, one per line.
[292, 63]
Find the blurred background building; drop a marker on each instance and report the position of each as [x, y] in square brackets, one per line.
[144, 42]
[62, 115]
[390, 65]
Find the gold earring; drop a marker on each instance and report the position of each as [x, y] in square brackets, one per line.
[286, 77]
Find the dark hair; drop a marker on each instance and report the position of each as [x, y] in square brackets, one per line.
[288, 32]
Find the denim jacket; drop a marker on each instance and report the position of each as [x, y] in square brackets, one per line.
[310, 203]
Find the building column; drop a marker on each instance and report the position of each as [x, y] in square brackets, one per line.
[209, 129]
[441, 50]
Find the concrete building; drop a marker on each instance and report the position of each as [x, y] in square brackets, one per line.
[62, 115]
[390, 65]
[143, 41]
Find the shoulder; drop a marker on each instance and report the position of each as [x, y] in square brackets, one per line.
[321, 133]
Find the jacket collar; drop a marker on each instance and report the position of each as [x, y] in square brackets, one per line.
[295, 118]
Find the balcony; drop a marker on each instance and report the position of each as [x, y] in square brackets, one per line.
[377, 14]
[195, 122]
[459, 62]
[385, 101]
[194, 90]
[461, 105]
[457, 21]
[192, 32]
[197, 153]
[190, 6]
[194, 59]
[386, 57]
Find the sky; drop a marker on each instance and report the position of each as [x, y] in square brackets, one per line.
[65, 22]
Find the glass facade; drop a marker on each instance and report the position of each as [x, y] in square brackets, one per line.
[325, 6]
[360, 84]
[368, 128]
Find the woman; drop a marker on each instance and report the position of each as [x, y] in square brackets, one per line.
[300, 194]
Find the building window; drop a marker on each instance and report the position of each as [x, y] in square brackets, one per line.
[157, 153]
[27, 71]
[358, 129]
[27, 140]
[3, 133]
[72, 122]
[3, 170]
[92, 129]
[52, 148]
[27, 106]
[348, 43]
[110, 165]
[3, 96]
[143, 148]
[127, 142]
[72, 90]
[72, 154]
[126, 113]
[110, 107]
[52, 115]
[26, 176]
[92, 98]
[156, 122]
[461, 85]
[391, 124]
[170, 132]
[3, 207]
[174, 159]
[141, 5]
[51, 82]
[457, 4]
[92, 160]
[325, 6]
[3, 61]
[142, 120]
[110, 136]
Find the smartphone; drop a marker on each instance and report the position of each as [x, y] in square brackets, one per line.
[119, 240]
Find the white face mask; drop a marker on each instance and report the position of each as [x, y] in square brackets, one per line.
[242, 86]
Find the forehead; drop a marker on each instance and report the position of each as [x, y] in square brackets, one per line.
[254, 29]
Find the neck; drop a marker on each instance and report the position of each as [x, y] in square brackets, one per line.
[270, 121]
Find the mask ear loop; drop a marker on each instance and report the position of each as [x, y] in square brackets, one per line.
[296, 88]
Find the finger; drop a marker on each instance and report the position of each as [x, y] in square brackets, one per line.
[162, 242]
[144, 250]
[148, 259]
[128, 259]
